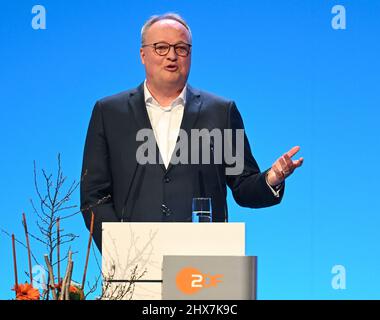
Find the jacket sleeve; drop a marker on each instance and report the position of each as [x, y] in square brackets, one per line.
[96, 178]
[249, 186]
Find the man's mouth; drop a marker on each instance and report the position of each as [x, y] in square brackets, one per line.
[171, 67]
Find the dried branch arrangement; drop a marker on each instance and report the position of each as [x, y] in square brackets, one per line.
[49, 212]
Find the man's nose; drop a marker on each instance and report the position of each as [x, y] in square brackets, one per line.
[172, 54]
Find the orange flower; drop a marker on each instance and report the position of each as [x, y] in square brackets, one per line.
[75, 292]
[73, 289]
[26, 292]
[58, 286]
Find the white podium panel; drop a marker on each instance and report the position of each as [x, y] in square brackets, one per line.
[134, 251]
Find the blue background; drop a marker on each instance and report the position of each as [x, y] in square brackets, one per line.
[296, 81]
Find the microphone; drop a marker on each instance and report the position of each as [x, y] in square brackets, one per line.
[220, 187]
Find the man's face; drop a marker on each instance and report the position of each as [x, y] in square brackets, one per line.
[169, 71]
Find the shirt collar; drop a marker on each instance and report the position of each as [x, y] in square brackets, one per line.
[181, 99]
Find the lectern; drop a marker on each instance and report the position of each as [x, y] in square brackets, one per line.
[178, 260]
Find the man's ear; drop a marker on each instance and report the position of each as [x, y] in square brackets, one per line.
[142, 56]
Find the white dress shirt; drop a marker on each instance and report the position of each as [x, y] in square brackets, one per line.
[165, 121]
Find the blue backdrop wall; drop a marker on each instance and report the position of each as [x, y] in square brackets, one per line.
[299, 75]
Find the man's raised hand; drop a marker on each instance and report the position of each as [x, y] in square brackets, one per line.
[283, 167]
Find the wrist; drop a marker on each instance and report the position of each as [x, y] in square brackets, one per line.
[272, 180]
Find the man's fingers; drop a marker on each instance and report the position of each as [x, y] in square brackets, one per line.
[293, 164]
[293, 151]
[298, 162]
[288, 161]
[283, 164]
[278, 173]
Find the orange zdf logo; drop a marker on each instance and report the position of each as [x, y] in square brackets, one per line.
[190, 280]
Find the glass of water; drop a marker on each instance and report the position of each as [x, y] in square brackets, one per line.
[201, 210]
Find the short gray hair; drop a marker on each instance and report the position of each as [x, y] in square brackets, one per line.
[166, 16]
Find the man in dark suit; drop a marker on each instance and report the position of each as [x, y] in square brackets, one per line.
[117, 186]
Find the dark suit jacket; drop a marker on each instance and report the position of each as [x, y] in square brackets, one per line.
[116, 188]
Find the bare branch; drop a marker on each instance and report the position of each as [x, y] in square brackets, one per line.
[62, 260]
[51, 277]
[21, 243]
[94, 287]
[48, 185]
[66, 208]
[38, 239]
[99, 202]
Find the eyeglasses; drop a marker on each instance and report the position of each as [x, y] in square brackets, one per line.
[162, 48]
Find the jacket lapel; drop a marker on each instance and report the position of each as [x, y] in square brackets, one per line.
[191, 112]
[192, 107]
[137, 104]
